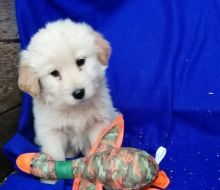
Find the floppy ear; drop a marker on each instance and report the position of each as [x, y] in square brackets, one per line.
[105, 49]
[28, 81]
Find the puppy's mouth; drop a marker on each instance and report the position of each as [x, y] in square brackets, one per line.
[82, 101]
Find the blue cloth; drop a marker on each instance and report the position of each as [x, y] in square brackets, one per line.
[164, 76]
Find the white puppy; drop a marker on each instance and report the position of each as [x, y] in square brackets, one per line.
[63, 69]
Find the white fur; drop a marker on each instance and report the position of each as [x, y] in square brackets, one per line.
[61, 122]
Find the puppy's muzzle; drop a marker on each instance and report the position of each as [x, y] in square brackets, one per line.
[79, 94]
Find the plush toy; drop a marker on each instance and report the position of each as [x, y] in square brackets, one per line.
[106, 165]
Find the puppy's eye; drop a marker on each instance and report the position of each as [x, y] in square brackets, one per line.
[80, 62]
[55, 73]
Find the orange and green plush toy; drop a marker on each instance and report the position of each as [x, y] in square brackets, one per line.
[108, 164]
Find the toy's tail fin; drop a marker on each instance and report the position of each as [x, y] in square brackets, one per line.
[110, 137]
[160, 154]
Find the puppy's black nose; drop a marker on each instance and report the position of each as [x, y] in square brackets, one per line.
[79, 94]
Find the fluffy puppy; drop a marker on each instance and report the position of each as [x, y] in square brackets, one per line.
[63, 69]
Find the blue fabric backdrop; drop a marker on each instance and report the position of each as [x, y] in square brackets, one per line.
[164, 76]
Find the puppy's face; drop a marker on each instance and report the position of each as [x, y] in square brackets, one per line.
[64, 63]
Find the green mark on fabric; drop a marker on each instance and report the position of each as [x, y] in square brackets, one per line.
[64, 169]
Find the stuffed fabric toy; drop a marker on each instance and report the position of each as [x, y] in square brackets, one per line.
[108, 164]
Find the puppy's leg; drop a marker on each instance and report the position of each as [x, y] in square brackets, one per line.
[86, 147]
[37, 141]
[54, 144]
[72, 150]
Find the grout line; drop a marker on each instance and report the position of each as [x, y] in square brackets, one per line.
[10, 109]
[10, 40]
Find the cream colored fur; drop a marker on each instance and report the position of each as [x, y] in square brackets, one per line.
[62, 123]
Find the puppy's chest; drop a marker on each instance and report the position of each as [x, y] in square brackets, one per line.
[70, 123]
[74, 121]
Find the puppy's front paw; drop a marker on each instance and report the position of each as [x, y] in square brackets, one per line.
[51, 182]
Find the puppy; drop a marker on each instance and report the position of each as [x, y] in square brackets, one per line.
[63, 69]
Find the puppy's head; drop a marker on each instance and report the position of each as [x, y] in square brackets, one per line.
[64, 63]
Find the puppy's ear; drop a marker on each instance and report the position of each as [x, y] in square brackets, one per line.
[105, 49]
[28, 81]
